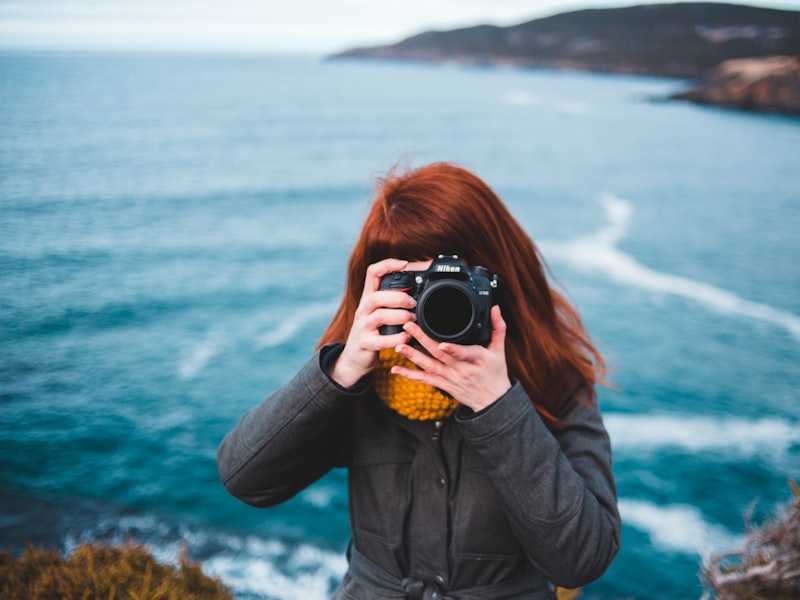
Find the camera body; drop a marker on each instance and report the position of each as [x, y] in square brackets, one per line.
[453, 302]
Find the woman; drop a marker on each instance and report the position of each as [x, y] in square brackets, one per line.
[474, 471]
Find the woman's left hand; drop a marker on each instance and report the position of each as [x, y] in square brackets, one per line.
[475, 376]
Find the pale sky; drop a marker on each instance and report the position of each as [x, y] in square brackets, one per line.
[314, 26]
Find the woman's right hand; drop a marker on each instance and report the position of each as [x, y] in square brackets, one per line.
[376, 307]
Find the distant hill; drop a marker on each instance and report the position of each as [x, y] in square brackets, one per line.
[675, 40]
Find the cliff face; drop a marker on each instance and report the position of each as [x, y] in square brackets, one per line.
[766, 84]
[675, 40]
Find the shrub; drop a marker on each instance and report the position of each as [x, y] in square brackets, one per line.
[768, 564]
[100, 572]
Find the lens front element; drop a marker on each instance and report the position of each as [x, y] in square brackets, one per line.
[446, 311]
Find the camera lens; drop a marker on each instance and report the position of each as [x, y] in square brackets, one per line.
[446, 310]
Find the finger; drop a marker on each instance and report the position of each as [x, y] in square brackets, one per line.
[425, 377]
[377, 270]
[422, 360]
[390, 299]
[457, 351]
[426, 342]
[371, 303]
[384, 342]
[498, 341]
[389, 316]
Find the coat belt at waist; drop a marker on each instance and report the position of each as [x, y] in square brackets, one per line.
[531, 586]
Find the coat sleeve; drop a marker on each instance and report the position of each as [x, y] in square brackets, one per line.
[297, 434]
[557, 487]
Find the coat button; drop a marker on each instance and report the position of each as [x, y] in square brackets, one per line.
[441, 482]
[439, 579]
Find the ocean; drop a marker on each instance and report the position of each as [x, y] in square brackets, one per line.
[174, 231]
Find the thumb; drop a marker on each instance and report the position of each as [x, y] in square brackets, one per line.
[498, 341]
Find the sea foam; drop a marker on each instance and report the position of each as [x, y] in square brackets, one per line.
[266, 568]
[598, 252]
[676, 527]
[772, 437]
[293, 323]
[565, 106]
[196, 359]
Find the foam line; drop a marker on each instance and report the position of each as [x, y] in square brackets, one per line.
[273, 569]
[676, 527]
[598, 252]
[763, 437]
[560, 105]
[289, 326]
[312, 578]
[199, 356]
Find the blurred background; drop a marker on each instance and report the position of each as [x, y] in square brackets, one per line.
[181, 184]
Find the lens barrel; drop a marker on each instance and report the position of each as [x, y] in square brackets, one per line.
[447, 311]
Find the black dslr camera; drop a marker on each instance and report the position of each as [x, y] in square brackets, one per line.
[453, 302]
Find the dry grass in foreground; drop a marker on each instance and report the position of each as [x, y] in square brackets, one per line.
[768, 564]
[100, 572]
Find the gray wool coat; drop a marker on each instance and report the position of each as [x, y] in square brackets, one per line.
[494, 504]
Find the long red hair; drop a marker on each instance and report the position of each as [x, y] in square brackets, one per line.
[445, 209]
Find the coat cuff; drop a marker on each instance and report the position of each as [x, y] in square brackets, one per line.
[327, 356]
[496, 418]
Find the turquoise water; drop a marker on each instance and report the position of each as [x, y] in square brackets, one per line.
[173, 235]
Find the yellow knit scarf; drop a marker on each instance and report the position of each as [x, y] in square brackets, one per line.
[412, 399]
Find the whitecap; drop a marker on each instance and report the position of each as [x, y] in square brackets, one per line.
[319, 496]
[598, 252]
[521, 98]
[573, 107]
[307, 573]
[288, 327]
[746, 438]
[194, 361]
[677, 527]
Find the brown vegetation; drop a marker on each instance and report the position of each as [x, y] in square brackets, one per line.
[100, 572]
[768, 564]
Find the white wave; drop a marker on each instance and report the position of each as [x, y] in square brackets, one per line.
[521, 98]
[307, 572]
[288, 327]
[762, 437]
[528, 99]
[573, 107]
[677, 527]
[319, 496]
[199, 356]
[598, 252]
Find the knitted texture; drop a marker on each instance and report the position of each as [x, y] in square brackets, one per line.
[412, 399]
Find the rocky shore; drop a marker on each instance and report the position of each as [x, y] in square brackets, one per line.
[740, 56]
[758, 84]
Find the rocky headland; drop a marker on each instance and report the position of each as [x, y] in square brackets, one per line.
[759, 84]
[691, 40]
